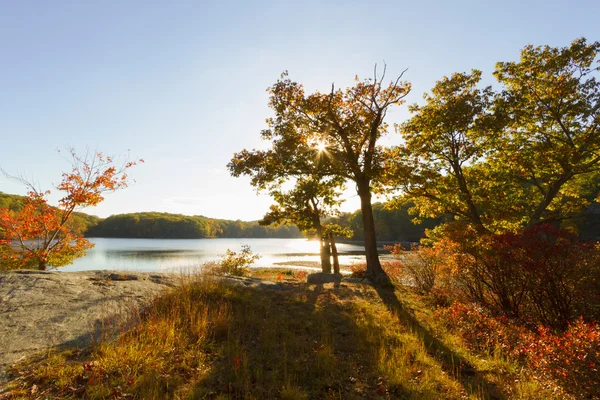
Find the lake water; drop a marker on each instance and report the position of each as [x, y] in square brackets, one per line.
[175, 255]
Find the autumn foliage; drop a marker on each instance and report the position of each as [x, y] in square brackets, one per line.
[420, 266]
[541, 275]
[44, 235]
[43, 238]
[570, 358]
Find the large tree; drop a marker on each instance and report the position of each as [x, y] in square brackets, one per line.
[45, 235]
[345, 124]
[519, 157]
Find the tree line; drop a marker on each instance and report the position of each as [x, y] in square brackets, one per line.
[158, 225]
[393, 223]
[178, 226]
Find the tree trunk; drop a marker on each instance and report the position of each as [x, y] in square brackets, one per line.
[374, 271]
[325, 255]
[334, 253]
[551, 193]
[472, 208]
[41, 265]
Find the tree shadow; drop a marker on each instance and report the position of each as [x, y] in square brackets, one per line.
[293, 345]
[454, 364]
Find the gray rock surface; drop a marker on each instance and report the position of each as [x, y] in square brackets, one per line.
[256, 283]
[321, 278]
[43, 309]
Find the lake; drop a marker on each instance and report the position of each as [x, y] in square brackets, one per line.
[175, 255]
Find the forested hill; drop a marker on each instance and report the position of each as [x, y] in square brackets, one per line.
[177, 226]
[391, 225]
[162, 225]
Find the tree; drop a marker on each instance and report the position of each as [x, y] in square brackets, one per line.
[445, 144]
[345, 124]
[45, 234]
[310, 201]
[518, 158]
[552, 141]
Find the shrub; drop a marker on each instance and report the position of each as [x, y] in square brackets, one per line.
[233, 263]
[421, 265]
[394, 270]
[480, 330]
[542, 276]
[572, 358]
[483, 271]
[301, 275]
[359, 270]
[441, 296]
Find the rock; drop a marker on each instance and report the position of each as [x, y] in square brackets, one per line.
[255, 283]
[320, 278]
[41, 309]
[123, 277]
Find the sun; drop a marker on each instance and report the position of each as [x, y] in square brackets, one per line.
[321, 146]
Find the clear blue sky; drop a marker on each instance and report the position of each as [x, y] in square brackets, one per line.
[182, 84]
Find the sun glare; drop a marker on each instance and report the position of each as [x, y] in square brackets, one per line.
[321, 146]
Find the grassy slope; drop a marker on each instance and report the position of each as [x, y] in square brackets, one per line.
[209, 340]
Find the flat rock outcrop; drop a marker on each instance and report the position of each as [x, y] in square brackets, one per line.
[41, 309]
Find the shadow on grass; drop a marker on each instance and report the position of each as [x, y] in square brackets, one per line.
[293, 345]
[455, 365]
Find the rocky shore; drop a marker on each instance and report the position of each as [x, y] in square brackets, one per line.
[41, 309]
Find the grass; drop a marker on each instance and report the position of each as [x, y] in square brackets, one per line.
[288, 275]
[209, 340]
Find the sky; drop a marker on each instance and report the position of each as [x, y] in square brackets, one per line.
[182, 84]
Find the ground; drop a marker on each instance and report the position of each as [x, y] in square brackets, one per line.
[274, 337]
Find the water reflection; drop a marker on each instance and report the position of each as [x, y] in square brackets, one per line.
[149, 253]
[173, 255]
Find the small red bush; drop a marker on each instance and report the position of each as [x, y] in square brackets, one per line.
[571, 359]
[421, 266]
[358, 270]
[481, 331]
[394, 271]
[301, 275]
